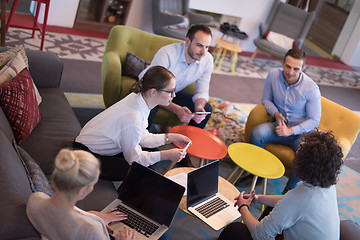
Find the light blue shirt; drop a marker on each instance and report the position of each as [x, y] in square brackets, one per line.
[306, 212]
[300, 104]
[172, 57]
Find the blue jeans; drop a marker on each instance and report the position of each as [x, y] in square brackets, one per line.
[184, 99]
[265, 133]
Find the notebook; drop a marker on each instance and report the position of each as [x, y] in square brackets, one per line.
[204, 200]
[149, 199]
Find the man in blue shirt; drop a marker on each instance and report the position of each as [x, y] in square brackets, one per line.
[294, 100]
[189, 62]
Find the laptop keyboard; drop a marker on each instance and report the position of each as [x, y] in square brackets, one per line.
[137, 222]
[210, 208]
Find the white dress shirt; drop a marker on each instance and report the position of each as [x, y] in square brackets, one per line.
[122, 128]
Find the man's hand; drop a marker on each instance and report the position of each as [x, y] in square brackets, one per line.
[179, 139]
[199, 105]
[184, 114]
[280, 120]
[283, 131]
[247, 199]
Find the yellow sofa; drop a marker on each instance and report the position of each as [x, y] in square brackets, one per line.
[115, 86]
[344, 123]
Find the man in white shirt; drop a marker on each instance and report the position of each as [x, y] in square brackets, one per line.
[189, 62]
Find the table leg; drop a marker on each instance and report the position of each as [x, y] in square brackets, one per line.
[218, 54]
[253, 184]
[171, 165]
[221, 60]
[202, 162]
[264, 192]
[234, 60]
[3, 22]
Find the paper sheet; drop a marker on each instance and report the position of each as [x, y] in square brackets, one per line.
[181, 179]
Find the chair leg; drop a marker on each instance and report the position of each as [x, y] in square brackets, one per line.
[38, 5]
[12, 12]
[253, 56]
[47, 6]
[171, 165]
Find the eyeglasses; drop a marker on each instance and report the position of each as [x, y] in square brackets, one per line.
[172, 92]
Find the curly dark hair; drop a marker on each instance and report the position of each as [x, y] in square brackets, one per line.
[318, 159]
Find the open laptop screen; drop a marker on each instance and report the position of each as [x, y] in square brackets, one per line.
[202, 183]
[151, 194]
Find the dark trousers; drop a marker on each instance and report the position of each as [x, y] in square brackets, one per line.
[184, 99]
[113, 168]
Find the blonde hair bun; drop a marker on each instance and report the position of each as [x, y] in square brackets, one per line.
[66, 160]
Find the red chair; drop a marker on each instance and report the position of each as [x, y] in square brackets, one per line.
[36, 25]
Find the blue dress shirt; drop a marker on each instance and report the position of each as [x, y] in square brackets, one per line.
[300, 104]
[172, 57]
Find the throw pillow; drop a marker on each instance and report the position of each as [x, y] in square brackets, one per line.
[184, 24]
[134, 65]
[6, 56]
[37, 178]
[18, 101]
[280, 40]
[12, 68]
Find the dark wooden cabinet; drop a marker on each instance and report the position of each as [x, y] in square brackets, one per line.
[101, 15]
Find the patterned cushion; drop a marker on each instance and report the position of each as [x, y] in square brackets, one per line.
[134, 65]
[6, 56]
[184, 24]
[12, 68]
[18, 101]
[37, 179]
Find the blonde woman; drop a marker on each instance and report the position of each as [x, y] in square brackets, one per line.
[57, 217]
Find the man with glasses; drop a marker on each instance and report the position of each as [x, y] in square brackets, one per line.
[294, 100]
[189, 62]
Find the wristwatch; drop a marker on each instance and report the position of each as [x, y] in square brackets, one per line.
[166, 138]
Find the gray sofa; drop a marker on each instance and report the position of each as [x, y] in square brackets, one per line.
[57, 129]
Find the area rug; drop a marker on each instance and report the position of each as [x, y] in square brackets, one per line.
[259, 68]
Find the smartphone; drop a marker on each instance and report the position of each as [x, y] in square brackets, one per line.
[188, 145]
[202, 113]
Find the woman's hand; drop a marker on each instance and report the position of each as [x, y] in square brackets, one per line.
[179, 139]
[113, 215]
[174, 154]
[126, 234]
[247, 199]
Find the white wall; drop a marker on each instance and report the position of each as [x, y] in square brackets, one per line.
[251, 12]
[61, 12]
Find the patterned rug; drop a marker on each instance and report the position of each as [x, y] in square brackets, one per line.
[259, 68]
[228, 119]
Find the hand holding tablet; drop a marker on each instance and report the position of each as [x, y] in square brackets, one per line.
[188, 145]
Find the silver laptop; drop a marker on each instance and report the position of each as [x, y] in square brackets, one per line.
[149, 199]
[204, 200]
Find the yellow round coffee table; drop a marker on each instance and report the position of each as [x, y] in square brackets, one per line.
[255, 160]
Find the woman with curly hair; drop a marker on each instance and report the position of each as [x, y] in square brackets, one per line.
[307, 212]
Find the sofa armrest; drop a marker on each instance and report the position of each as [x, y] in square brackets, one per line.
[257, 115]
[45, 68]
[111, 78]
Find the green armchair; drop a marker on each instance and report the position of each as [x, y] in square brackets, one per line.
[344, 123]
[115, 86]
